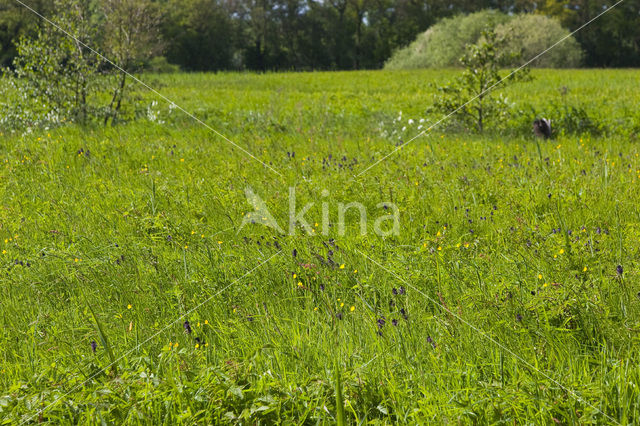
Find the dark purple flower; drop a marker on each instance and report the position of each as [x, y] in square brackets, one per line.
[394, 322]
[381, 322]
[94, 346]
[339, 315]
[394, 291]
[430, 340]
[187, 327]
[519, 317]
[294, 253]
[619, 270]
[402, 290]
[404, 314]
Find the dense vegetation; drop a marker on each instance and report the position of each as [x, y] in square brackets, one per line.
[509, 295]
[201, 35]
[525, 36]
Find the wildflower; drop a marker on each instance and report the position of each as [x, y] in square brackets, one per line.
[353, 308]
[294, 252]
[394, 291]
[584, 269]
[342, 266]
[94, 346]
[561, 251]
[402, 290]
[619, 270]
[394, 322]
[129, 306]
[404, 314]
[381, 322]
[430, 340]
[519, 317]
[339, 315]
[206, 322]
[187, 327]
[539, 276]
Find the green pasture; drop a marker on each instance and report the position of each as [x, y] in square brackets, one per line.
[509, 295]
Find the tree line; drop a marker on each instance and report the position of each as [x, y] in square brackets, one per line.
[266, 35]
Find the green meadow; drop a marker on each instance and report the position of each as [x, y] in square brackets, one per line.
[135, 288]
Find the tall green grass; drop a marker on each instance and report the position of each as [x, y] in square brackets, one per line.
[110, 234]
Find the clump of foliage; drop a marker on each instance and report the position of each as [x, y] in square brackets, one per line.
[530, 35]
[526, 35]
[444, 43]
[470, 99]
[58, 74]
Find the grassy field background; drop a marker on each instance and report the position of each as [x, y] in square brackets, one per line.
[510, 295]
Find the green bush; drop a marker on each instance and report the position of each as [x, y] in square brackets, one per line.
[444, 43]
[160, 65]
[471, 99]
[529, 35]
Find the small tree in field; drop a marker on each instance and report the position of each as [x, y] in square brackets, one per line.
[60, 75]
[471, 96]
[56, 71]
